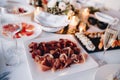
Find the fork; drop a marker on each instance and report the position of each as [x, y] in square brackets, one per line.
[4, 76]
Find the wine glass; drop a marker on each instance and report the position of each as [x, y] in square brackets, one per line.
[111, 34]
[7, 31]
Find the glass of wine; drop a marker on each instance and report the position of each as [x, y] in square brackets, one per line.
[111, 34]
[9, 42]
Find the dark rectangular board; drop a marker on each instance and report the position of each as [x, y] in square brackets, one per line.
[95, 41]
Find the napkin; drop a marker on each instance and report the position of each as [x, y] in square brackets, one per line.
[4, 75]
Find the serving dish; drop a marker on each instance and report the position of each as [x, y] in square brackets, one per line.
[37, 74]
[50, 20]
[97, 39]
[49, 29]
[108, 70]
[35, 32]
[106, 18]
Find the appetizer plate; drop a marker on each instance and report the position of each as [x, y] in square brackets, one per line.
[11, 8]
[37, 31]
[37, 74]
[105, 71]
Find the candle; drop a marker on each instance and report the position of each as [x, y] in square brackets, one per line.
[82, 27]
[70, 14]
[37, 11]
[73, 23]
[85, 14]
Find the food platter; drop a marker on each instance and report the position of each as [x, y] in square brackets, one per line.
[94, 33]
[38, 74]
[36, 32]
[97, 43]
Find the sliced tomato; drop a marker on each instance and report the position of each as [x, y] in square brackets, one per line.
[30, 28]
[5, 27]
[29, 33]
[23, 33]
[16, 35]
[27, 30]
[4, 33]
[45, 1]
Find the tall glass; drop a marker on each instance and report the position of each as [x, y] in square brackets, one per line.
[110, 35]
[9, 43]
[10, 52]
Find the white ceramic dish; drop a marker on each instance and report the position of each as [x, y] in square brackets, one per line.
[106, 18]
[10, 6]
[36, 33]
[49, 29]
[37, 74]
[106, 70]
[50, 20]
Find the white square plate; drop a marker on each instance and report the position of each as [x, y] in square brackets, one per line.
[37, 74]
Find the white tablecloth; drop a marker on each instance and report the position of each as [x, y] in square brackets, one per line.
[21, 71]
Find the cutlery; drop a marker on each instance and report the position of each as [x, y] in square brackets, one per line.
[4, 76]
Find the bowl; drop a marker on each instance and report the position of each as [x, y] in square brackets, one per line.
[49, 29]
[106, 18]
[50, 20]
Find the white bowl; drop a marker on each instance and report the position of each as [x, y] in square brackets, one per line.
[106, 18]
[49, 29]
[47, 19]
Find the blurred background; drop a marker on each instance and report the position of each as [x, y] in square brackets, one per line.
[112, 4]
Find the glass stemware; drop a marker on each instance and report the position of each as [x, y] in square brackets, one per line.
[110, 35]
[9, 46]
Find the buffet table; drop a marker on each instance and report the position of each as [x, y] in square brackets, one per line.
[22, 71]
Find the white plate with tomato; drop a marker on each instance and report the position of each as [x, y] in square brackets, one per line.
[18, 9]
[29, 30]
